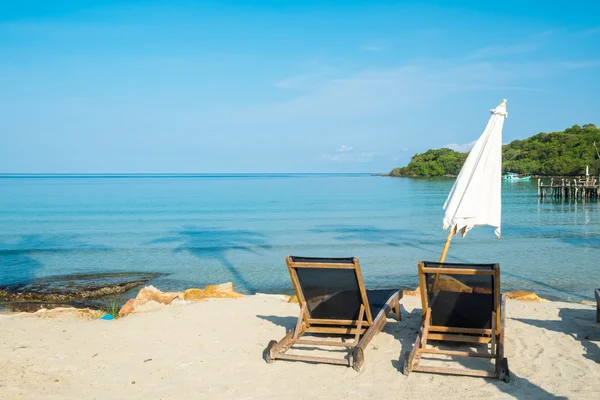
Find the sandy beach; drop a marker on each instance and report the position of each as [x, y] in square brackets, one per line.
[213, 349]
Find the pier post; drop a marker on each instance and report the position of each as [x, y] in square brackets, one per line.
[584, 190]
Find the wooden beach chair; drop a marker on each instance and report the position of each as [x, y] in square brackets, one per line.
[461, 304]
[333, 303]
[597, 293]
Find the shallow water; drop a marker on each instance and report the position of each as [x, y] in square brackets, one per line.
[213, 228]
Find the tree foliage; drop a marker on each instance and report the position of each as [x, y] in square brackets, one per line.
[563, 153]
[438, 162]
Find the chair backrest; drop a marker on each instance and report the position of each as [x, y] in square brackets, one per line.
[332, 289]
[460, 295]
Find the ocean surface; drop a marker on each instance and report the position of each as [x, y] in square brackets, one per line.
[205, 229]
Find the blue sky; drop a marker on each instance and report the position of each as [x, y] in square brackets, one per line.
[265, 86]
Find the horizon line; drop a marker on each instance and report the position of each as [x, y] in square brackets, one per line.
[41, 174]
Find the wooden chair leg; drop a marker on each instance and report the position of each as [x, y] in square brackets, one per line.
[299, 321]
[397, 308]
[275, 348]
[501, 362]
[409, 356]
[378, 324]
[495, 346]
[426, 323]
[502, 326]
[412, 358]
[359, 326]
[494, 341]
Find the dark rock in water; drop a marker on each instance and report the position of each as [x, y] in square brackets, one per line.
[69, 290]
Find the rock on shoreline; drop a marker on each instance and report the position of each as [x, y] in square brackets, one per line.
[150, 298]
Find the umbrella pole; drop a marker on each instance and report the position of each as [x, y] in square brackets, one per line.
[451, 233]
[447, 245]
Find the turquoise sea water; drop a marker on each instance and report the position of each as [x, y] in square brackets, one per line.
[207, 229]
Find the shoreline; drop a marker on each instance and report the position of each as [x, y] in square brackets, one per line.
[224, 290]
[100, 304]
[28, 304]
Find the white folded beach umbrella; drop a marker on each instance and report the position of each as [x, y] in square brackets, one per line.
[475, 198]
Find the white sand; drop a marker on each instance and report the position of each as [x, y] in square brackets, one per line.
[213, 349]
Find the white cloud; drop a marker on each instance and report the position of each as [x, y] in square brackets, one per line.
[331, 94]
[344, 149]
[393, 91]
[462, 148]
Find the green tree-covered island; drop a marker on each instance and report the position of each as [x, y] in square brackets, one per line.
[564, 153]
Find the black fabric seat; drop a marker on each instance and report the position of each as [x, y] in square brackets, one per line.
[458, 300]
[462, 310]
[346, 304]
[378, 299]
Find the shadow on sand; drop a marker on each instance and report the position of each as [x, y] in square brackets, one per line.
[585, 331]
[216, 244]
[287, 322]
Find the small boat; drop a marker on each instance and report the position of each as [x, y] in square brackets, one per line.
[511, 176]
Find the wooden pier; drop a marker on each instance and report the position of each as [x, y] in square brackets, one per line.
[585, 189]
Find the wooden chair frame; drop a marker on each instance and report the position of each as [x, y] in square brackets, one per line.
[597, 294]
[493, 336]
[361, 330]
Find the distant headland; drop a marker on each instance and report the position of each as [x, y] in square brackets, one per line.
[563, 153]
